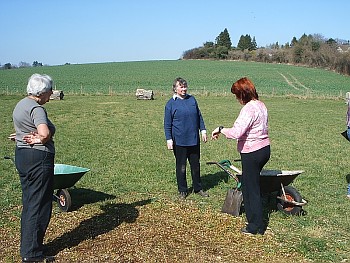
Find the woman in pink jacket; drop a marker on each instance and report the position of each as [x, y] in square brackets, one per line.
[251, 132]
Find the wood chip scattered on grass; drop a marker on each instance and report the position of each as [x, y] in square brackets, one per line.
[156, 231]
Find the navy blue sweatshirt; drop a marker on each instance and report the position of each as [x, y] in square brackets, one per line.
[183, 121]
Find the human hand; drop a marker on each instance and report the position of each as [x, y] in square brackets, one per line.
[215, 134]
[12, 137]
[204, 137]
[32, 138]
[170, 145]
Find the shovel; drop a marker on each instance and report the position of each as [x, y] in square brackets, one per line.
[234, 198]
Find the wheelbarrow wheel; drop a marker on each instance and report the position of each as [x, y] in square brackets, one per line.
[288, 207]
[64, 200]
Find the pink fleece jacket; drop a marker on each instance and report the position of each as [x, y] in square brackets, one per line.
[250, 127]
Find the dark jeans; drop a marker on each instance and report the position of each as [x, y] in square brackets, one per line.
[254, 201]
[36, 170]
[182, 154]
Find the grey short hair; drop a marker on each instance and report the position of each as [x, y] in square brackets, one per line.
[181, 81]
[39, 84]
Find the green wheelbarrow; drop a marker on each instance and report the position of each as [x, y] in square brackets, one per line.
[66, 176]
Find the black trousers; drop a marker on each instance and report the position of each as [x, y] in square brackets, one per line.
[192, 154]
[36, 170]
[254, 200]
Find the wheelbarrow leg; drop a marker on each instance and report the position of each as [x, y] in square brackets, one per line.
[283, 191]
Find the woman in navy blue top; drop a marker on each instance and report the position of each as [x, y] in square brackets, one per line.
[183, 123]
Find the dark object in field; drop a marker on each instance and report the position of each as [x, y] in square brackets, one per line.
[345, 134]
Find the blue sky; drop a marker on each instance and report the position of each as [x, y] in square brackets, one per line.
[86, 31]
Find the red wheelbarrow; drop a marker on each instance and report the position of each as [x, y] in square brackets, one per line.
[289, 199]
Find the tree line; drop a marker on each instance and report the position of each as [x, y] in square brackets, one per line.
[309, 50]
[21, 65]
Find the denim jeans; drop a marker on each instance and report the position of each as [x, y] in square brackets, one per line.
[36, 170]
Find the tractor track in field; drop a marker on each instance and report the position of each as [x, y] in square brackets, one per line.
[294, 82]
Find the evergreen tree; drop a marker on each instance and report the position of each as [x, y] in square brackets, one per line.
[331, 42]
[224, 39]
[253, 45]
[245, 42]
[294, 42]
[305, 40]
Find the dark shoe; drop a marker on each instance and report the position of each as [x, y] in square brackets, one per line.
[246, 232]
[39, 259]
[182, 195]
[261, 231]
[34, 259]
[202, 193]
[49, 258]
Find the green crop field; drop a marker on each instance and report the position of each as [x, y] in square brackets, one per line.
[125, 209]
[203, 76]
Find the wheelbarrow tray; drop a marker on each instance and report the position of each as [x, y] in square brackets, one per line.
[271, 180]
[65, 176]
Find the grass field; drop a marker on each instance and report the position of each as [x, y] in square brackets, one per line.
[203, 76]
[126, 209]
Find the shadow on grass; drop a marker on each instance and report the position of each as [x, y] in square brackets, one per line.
[212, 180]
[113, 215]
[83, 196]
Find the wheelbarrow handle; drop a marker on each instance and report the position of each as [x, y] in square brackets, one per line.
[226, 170]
